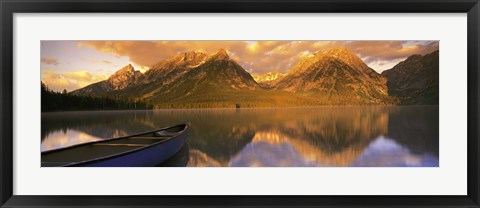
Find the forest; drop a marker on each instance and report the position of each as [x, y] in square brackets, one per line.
[63, 101]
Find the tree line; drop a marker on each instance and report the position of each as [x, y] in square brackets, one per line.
[63, 101]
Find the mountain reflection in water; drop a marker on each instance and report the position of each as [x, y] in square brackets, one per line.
[376, 136]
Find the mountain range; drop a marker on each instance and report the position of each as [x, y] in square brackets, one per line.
[337, 76]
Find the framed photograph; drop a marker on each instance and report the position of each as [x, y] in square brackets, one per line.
[239, 104]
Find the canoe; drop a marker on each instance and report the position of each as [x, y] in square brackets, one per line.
[180, 159]
[146, 149]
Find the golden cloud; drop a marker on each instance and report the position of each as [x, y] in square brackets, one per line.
[101, 61]
[84, 76]
[70, 80]
[49, 60]
[261, 56]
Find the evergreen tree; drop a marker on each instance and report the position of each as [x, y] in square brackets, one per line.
[62, 101]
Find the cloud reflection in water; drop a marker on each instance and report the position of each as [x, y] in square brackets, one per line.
[340, 136]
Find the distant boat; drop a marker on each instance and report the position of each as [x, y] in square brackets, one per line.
[147, 149]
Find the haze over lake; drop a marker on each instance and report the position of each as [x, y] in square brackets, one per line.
[373, 136]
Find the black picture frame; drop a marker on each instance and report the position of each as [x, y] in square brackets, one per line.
[10, 7]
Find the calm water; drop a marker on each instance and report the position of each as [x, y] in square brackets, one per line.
[378, 136]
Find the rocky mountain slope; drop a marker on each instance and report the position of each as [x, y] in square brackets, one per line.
[336, 75]
[217, 74]
[415, 80]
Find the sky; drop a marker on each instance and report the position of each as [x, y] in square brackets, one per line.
[72, 65]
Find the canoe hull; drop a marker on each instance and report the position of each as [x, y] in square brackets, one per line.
[147, 157]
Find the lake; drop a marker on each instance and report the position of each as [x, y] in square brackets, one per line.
[330, 136]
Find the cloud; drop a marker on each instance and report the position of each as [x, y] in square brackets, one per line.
[70, 80]
[382, 65]
[147, 53]
[389, 50]
[50, 60]
[263, 56]
[142, 69]
[84, 76]
[104, 61]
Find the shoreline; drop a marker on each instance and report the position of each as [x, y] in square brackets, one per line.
[249, 108]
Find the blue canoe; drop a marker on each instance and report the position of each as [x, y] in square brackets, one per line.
[147, 149]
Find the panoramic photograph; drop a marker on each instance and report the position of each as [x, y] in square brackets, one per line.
[166, 103]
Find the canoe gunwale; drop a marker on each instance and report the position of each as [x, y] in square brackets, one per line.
[179, 133]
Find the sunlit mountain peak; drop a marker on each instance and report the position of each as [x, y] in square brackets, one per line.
[124, 77]
[221, 54]
[127, 68]
[269, 76]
